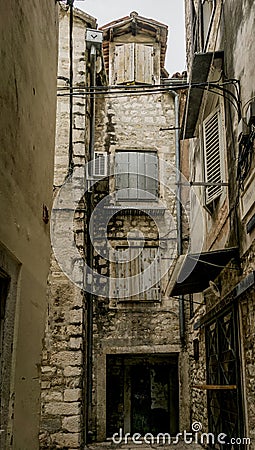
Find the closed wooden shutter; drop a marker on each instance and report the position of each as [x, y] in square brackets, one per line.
[151, 175]
[213, 155]
[122, 175]
[144, 63]
[150, 275]
[139, 276]
[136, 175]
[124, 63]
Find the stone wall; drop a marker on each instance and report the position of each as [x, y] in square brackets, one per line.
[129, 328]
[247, 311]
[63, 370]
[197, 369]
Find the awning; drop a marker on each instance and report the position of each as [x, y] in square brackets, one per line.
[194, 271]
[199, 74]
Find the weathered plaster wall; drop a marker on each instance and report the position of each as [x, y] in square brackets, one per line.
[28, 45]
[233, 34]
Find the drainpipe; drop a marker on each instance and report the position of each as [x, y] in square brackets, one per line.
[70, 162]
[93, 55]
[178, 204]
[94, 39]
[90, 296]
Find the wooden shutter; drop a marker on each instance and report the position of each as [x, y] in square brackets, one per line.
[150, 275]
[139, 276]
[213, 154]
[144, 63]
[124, 63]
[122, 175]
[136, 175]
[151, 171]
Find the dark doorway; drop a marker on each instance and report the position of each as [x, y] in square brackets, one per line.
[142, 394]
[223, 368]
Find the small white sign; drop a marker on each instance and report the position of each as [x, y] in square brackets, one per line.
[94, 36]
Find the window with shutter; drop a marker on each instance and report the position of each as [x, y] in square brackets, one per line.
[136, 176]
[213, 155]
[139, 275]
[133, 63]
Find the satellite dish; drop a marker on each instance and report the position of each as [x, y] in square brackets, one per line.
[214, 288]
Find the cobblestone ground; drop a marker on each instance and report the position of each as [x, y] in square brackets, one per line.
[131, 446]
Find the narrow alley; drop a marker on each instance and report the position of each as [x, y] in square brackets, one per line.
[127, 236]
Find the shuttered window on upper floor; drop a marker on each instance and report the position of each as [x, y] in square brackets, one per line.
[133, 63]
[136, 176]
[213, 155]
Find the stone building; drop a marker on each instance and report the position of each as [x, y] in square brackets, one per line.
[63, 370]
[113, 355]
[218, 272]
[138, 362]
[28, 46]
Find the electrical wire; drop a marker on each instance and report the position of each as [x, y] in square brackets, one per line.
[147, 88]
[247, 104]
[245, 158]
[131, 92]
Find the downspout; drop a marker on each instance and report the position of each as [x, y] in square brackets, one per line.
[70, 162]
[93, 54]
[178, 204]
[90, 255]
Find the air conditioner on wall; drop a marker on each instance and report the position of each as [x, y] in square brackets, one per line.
[100, 164]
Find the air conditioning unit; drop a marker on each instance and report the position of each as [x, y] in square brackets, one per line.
[100, 164]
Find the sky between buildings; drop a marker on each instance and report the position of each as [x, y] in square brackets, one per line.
[169, 12]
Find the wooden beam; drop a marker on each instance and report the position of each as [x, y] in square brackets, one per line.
[215, 386]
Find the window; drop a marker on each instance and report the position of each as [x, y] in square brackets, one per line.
[133, 63]
[138, 274]
[136, 176]
[213, 155]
